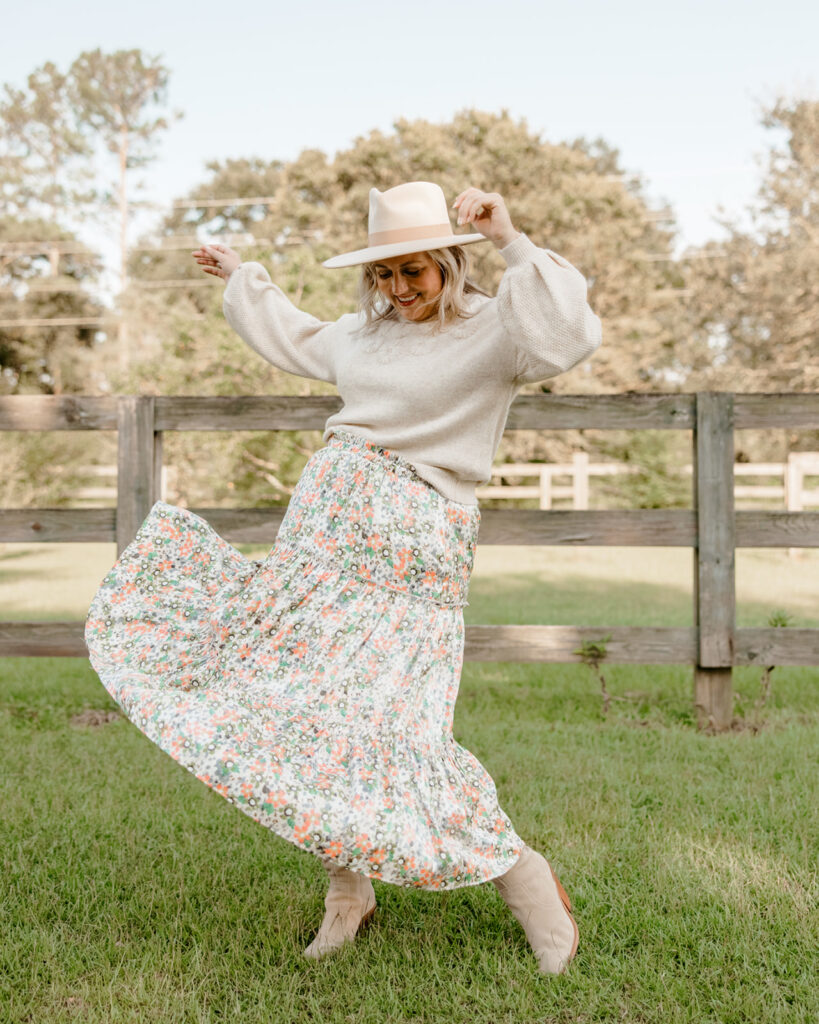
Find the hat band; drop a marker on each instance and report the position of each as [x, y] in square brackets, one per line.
[409, 234]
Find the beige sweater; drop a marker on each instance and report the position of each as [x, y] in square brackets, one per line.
[438, 398]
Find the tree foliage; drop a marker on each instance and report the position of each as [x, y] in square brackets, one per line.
[754, 314]
[53, 358]
[572, 198]
[201, 355]
[52, 132]
[44, 154]
[739, 314]
[116, 96]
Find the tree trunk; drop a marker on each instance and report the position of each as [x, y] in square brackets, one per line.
[124, 353]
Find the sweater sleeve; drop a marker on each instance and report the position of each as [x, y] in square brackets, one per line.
[542, 306]
[267, 320]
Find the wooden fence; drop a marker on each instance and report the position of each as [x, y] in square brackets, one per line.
[711, 528]
[793, 473]
[580, 471]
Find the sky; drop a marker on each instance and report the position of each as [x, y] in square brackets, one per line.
[677, 88]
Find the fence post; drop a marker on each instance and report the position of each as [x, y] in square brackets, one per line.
[714, 578]
[169, 479]
[545, 487]
[794, 485]
[139, 465]
[580, 480]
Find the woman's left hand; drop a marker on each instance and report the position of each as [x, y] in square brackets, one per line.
[487, 211]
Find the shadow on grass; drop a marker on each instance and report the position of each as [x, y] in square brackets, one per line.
[578, 601]
[10, 556]
[573, 601]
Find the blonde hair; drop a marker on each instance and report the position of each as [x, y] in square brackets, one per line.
[453, 264]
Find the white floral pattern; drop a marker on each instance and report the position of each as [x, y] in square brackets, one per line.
[315, 689]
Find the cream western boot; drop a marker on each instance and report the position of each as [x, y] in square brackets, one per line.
[532, 892]
[350, 902]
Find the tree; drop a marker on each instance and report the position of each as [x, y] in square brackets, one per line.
[48, 358]
[115, 96]
[45, 171]
[118, 98]
[569, 197]
[52, 130]
[755, 299]
[44, 156]
[201, 355]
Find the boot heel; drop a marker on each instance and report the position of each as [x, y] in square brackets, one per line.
[567, 903]
[366, 918]
[564, 896]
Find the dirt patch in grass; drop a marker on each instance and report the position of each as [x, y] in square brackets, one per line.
[95, 717]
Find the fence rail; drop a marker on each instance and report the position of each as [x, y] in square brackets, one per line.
[793, 490]
[793, 473]
[712, 528]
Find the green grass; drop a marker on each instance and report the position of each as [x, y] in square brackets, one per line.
[561, 585]
[131, 892]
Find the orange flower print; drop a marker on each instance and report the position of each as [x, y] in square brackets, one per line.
[362, 843]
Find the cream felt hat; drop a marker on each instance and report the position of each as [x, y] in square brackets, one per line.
[408, 218]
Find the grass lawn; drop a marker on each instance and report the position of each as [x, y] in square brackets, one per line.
[131, 892]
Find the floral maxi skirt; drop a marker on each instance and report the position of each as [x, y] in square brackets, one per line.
[315, 689]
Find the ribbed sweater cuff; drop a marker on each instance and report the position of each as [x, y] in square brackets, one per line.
[519, 251]
[523, 250]
[244, 266]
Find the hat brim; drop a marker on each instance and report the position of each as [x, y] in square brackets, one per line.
[385, 252]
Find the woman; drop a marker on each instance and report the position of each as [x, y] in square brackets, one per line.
[315, 689]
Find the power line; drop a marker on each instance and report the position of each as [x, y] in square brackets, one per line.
[63, 321]
[194, 204]
[43, 247]
[77, 289]
[77, 321]
[178, 243]
[181, 282]
[657, 257]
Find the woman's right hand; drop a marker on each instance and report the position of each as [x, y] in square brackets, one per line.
[219, 260]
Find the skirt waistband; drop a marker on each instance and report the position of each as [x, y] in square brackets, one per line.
[364, 509]
[374, 453]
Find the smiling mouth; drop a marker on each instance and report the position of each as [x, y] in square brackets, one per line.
[405, 302]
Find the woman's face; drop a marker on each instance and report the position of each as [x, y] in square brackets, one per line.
[411, 284]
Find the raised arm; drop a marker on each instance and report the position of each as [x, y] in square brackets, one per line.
[267, 320]
[541, 299]
[542, 305]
